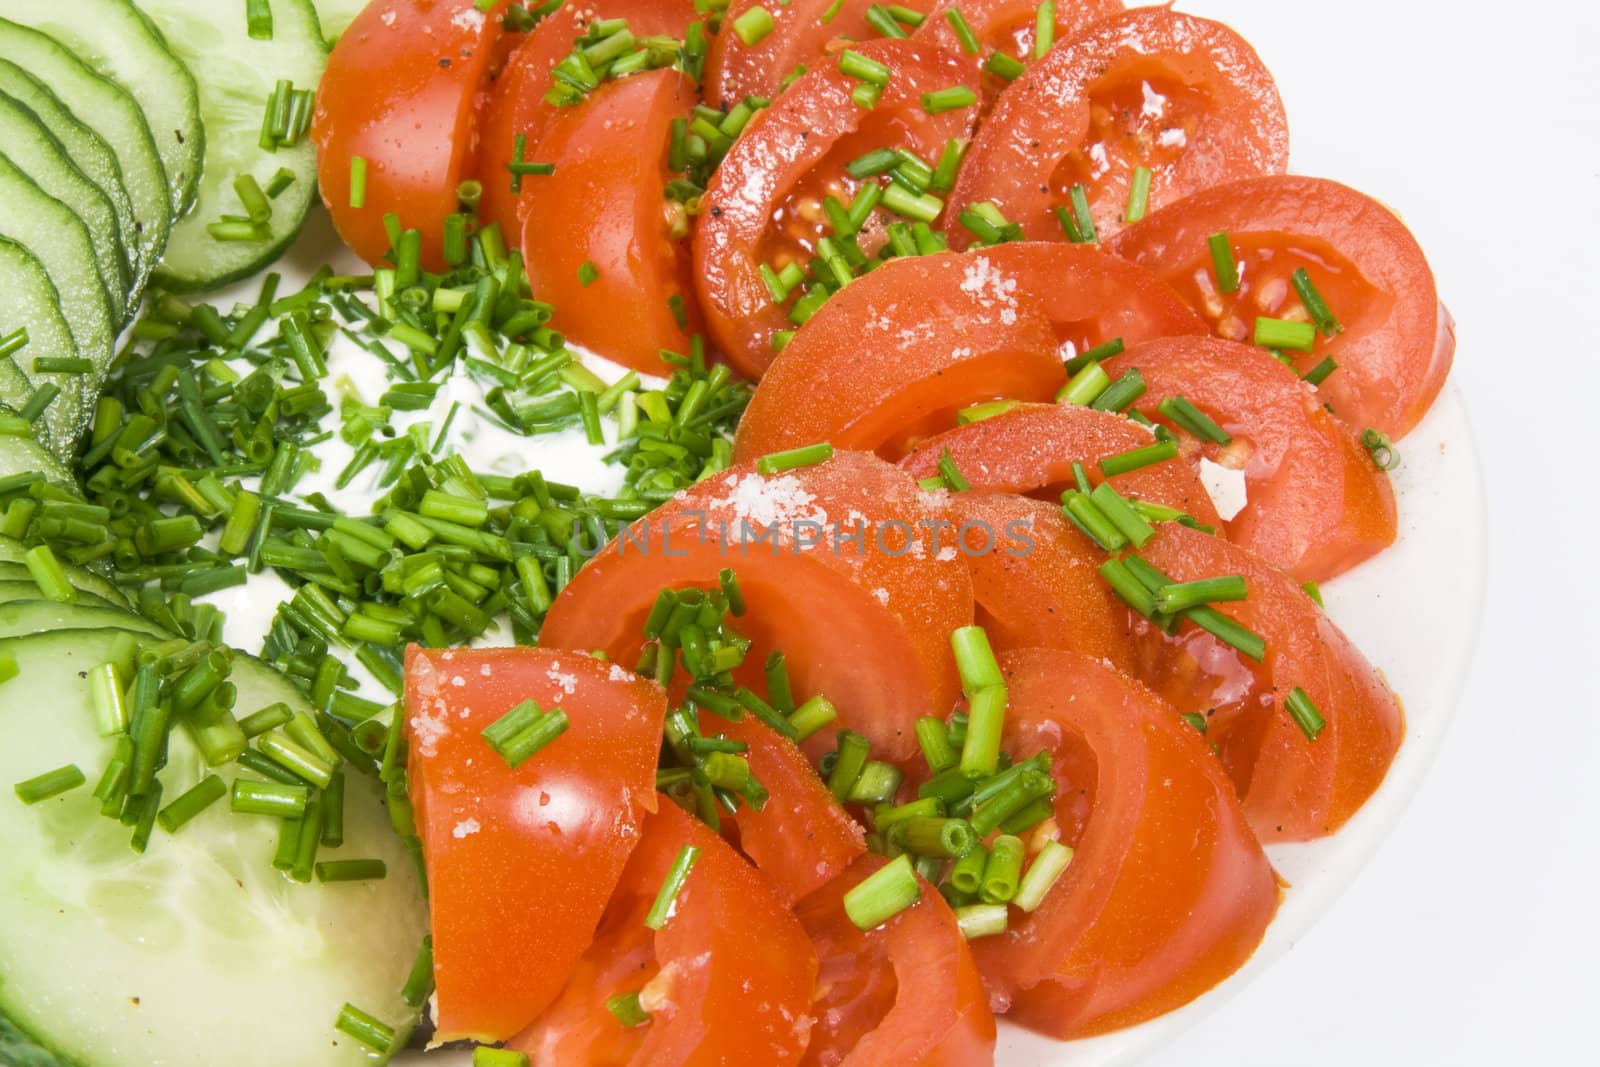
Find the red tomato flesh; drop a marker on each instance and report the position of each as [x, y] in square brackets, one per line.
[1009, 26]
[1316, 504]
[1168, 892]
[727, 980]
[1183, 96]
[1398, 341]
[905, 993]
[521, 862]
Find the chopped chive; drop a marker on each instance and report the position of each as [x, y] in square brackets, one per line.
[1139, 194]
[794, 458]
[1085, 387]
[667, 897]
[62, 365]
[924, 207]
[201, 796]
[880, 19]
[1044, 29]
[944, 174]
[883, 894]
[951, 99]
[1223, 264]
[358, 182]
[1003, 870]
[945, 838]
[953, 478]
[981, 920]
[1132, 591]
[1003, 66]
[295, 759]
[1228, 631]
[1121, 394]
[1042, 874]
[975, 660]
[50, 784]
[367, 1029]
[1134, 459]
[979, 412]
[48, 576]
[1305, 713]
[1192, 419]
[876, 784]
[624, 1007]
[1319, 374]
[853, 64]
[1384, 455]
[1195, 719]
[1121, 514]
[419, 983]
[1181, 596]
[753, 25]
[1281, 333]
[351, 870]
[986, 715]
[1315, 306]
[933, 737]
[963, 31]
[587, 273]
[1314, 591]
[278, 799]
[812, 716]
[852, 759]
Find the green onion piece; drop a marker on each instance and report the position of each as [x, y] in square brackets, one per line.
[1138, 194]
[933, 737]
[1384, 455]
[1003, 871]
[979, 412]
[1192, 419]
[951, 99]
[876, 784]
[62, 365]
[1086, 515]
[981, 920]
[1085, 387]
[1319, 374]
[753, 25]
[1122, 515]
[975, 660]
[1120, 394]
[278, 799]
[1133, 460]
[1304, 713]
[880, 19]
[667, 897]
[878, 161]
[1228, 631]
[980, 752]
[1044, 29]
[1003, 66]
[333, 812]
[142, 813]
[883, 894]
[258, 19]
[48, 575]
[351, 870]
[201, 796]
[778, 462]
[295, 759]
[1223, 264]
[1027, 785]
[358, 182]
[812, 716]
[50, 784]
[1314, 591]
[1195, 719]
[419, 983]
[966, 873]
[1181, 596]
[852, 758]
[365, 1028]
[268, 718]
[1281, 333]
[932, 836]
[963, 31]
[587, 273]
[625, 1008]
[924, 207]
[1042, 875]
[106, 695]
[853, 64]
[1315, 306]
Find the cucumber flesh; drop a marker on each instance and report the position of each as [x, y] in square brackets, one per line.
[113, 37]
[92, 155]
[108, 110]
[35, 151]
[236, 75]
[19, 618]
[26, 589]
[81, 580]
[336, 15]
[58, 240]
[196, 952]
[28, 302]
[14, 551]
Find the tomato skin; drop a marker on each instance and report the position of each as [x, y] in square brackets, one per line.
[830, 599]
[1008, 26]
[802, 838]
[1053, 127]
[606, 205]
[1031, 448]
[1398, 340]
[719, 992]
[787, 157]
[1316, 504]
[802, 33]
[1293, 789]
[1168, 893]
[496, 840]
[862, 1020]
[937, 343]
[400, 91]
[1039, 586]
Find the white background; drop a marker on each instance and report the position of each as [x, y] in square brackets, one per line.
[1472, 937]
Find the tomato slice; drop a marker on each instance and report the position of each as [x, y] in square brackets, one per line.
[764, 205]
[801, 35]
[606, 207]
[905, 993]
[1168, 892]
[522, 861]
[1010, 27]
[1316, 505]
[1183, 96]
[1036, 579]
[727, 980]
[842, 579]
[400, 92]
[802, 838]
[516, 102]
[1294, 789]
[1397, 342]
[1031, 449]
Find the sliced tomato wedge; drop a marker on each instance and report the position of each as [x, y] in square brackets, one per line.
[904, 993]
[1036, 579]
[1397, 341]
[401, 92]
[1316, 506]
[801, 838]
[836, 571]
[522, 861]
[1185, 97]
[1293, 788]
[764, 205]
[804, 34]
[727, 980]
[598, 233]
[516, 102]
[1168, 892]
[1031, 449]
[1009, 27]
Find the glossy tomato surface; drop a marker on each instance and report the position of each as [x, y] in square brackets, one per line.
[521, 861]
[1294, 788]
[1396, 340]
[1185, 97]
[1315, 504]
[905, 993]
[727, 980]
[1009, 27]
[598, 234]
[834, 565]
[1168, 891]
[401, 92]
[764, 205]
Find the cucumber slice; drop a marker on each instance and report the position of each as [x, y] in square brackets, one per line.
[29, 303]
[115, 39]
[36, 152]
[92, 156]
[55, 237]
[236, 75]
[14, 551]
[24, 455]
[27, 589]
[19, 618]
[197, 952]
[336, 15]
[110, 112]
[81, 580]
